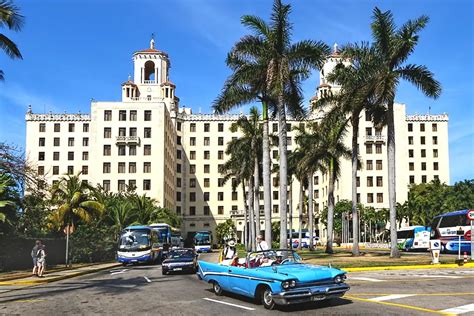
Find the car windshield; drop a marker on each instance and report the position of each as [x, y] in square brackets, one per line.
[181, 253]
[272, 257]
[133, 240]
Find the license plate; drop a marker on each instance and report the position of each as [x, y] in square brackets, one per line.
[178, 269]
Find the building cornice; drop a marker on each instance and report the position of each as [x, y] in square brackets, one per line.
[427, 118]
[58, 117]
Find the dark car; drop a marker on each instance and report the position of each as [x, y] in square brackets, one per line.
[180, 260]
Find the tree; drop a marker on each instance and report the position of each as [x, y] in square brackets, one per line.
[5, 195]
[286, 64]
[11, 18]
[225, 230]
[143, 207]
[164, 215]
[393, 47]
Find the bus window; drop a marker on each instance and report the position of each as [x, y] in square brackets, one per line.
[453, 221]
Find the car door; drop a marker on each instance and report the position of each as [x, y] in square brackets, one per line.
[239, 280]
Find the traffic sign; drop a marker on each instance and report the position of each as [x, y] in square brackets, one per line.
[470, 215]
[69, 228]
[467, 235]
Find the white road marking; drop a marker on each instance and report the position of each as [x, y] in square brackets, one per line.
[437, 276]
[117, 272]
[147, 279]
[365, 279]
[390, 297]
[230, 304]
[460, 309]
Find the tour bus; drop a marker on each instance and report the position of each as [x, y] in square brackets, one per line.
[176, 238]
[203, 241]
[413, 238]
[138, 244]
[445, 226]
[164, 237]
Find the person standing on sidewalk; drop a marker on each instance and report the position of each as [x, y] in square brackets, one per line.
[41, 260]
[34, 253]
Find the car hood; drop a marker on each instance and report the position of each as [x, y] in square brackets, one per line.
[303, 272]
[178, 260]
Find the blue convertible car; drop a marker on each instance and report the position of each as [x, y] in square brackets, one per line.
[274, 277]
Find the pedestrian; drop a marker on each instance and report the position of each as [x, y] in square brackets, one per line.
[41, 260]
[261, 244]
[230, 251]
[34, 253]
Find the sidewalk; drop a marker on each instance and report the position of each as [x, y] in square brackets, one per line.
[55, 275]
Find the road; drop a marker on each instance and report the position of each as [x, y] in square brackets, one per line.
[143, 290]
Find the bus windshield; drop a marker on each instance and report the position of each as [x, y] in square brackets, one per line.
[404, 234]
[133, 240]
[202, 239]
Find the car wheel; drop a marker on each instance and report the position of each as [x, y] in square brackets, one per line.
[267, 299]
[216, 287]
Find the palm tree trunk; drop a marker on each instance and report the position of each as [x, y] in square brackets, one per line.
[245, 232]
[251, 215]
[300, 207]
[310, 211]
[394, 253]
[282, 146]
[256, 202]
[355, 154]
[267, 194]
[330, 208]
[290, 213]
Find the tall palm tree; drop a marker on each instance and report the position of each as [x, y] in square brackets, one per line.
[120, 214]
[10, 18]
[143, 207]
[393, 47]
[5, 183]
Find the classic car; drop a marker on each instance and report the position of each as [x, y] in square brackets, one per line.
[180, 260]
[274, 277]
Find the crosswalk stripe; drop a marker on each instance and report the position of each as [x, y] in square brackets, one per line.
[390, 297]
[460, 309]
[365, 279]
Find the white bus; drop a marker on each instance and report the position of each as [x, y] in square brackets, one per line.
[413, 238]
[445, 226]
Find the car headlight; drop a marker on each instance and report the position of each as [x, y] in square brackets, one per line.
[339, 278]
[285, 284]
[292, 283]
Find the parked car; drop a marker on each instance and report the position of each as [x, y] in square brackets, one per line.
[180, 260]
[274, 277]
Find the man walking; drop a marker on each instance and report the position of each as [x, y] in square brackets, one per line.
[34, 256]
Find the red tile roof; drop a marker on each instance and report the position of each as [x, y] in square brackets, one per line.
[151, 51]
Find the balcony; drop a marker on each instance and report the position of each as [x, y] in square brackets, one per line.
[127, 140]
[374, 138]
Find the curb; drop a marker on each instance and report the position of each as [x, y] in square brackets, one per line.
[59, 278]
[24, 275]
[412, 267]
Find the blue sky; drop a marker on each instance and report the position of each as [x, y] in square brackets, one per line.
[77, 50]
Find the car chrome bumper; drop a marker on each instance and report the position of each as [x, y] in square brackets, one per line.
[314, 293]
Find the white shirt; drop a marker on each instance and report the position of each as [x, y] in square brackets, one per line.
[229, 253]
[262, 245]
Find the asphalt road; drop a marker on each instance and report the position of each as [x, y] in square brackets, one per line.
[143, 290]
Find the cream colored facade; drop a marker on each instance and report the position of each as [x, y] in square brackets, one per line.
[169, 153]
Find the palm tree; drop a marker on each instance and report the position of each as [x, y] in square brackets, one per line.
[5, 183]
[285, 66]
[393, 47]
[70, 195]
[143, 207]
[13, 20]
[120, 214]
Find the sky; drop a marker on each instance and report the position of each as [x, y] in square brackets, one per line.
[77, 50]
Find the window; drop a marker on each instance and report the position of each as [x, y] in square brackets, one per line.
[275, 208]
[178, 182]
[42, 127]
[147, 115]
[178, 154]
[41, 142]
[378, 148]
[55, 170]
[275, 195]
[178, 140]
[192, 169]
[57, 127]
[206, 210]
[85, 170]
[146, 185]
[70, 155]
[436, 177]
[206, 127]
[234, 195]
[192, 141]
[70, 169]
[370, 198]
[56, 155]
[435, 153]
[70, 141]
[207, 154]
[220, 196]
[207, 182]
[367, 116]
[207, 168]
[121, 185]
[370, 181]
[368, 131]
[220, 141]
[358, 182]
[121, 150]
[85, 141]
[434, 127]
[56, 142]
[379, 197]
[288, 126]
[378, 165]
[206, 196]
[220, 127]
[192, 127]
[147, 133]
[192, 211]
[410, 140]
[410, 153]
[412, 179]
[41, 170]
[192, 196]
[107, 115]
[316, 194]
[107, 132]
[178, 168]
[369, 165]
[423, 179]
[316, 180]
[423, 153]
[192, 155]
[410, 127]
[423, 166]
[207, 141]
[132, 184]
[411, 166]
[178, 126]
[220, 154]
[85, 127]
[220, 182]
[422, 127]
[178, 196]
[274, 154]
[220, 210]
[192, 183]
[147, 150]
[435, 166]
[122, 131]
[133, 115]
[422, 140]
[122, 115]
[435, 140]
[121, 167]
[275, 127]
[146, 167]
[106, 167]
[132, 150]
[368, 148]
[71, 127]
[107, 150]
[379, 181]
[132, 131]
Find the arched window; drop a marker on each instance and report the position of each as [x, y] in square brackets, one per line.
[150, 70]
